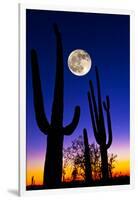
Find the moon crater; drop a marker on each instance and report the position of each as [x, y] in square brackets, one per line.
[79, 62]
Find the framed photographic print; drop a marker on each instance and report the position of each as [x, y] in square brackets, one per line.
[75, 106]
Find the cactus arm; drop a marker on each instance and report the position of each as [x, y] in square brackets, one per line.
[85, 134]
[94, 101]
[68, 130]
[107, 109]
[98, 89]
[101, 117]
[41, 119]
[97, 137]
[106, 104]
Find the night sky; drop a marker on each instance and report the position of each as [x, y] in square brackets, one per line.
[106, 38]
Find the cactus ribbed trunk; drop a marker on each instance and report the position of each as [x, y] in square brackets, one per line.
[88, 171]
[104, 163]
[53, 161]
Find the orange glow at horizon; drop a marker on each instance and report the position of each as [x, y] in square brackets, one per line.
[35, 171]
[122, 167]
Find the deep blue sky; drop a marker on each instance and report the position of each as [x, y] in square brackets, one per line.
[106, 38]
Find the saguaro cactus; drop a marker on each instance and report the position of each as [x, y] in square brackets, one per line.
[55, 131]
[98, 124]
[88, 171]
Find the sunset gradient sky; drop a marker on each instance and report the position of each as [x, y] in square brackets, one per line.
[106, 38]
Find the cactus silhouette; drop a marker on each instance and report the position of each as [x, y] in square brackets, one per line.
[98, 124]
[88, 171]
[32, 181]
[54, 130]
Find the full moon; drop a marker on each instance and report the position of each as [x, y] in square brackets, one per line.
[79, 62]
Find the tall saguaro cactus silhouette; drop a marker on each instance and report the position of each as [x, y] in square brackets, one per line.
[98, 123]
[88, 171]
[55, 131]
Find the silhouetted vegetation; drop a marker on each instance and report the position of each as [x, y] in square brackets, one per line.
[111, 164]
[54, 130]
[75, 159]
[98, 124]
